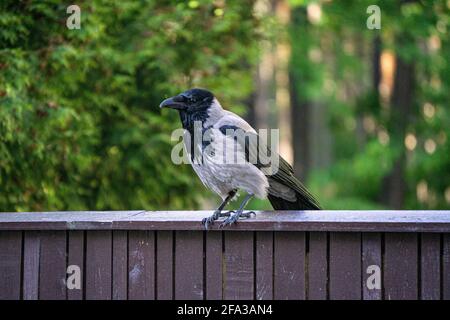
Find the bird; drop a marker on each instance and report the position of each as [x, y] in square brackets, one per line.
[251, 171]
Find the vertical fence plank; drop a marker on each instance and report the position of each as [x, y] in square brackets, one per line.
[31, 254]
[289, 265]
[164, 265]
[76, 258]
[98, 265]
[52, 269]
[446, 266]
[317, 266]
[141, 265]
[189, 265]
[400, 266]
[264, 265]
[239, 275]
[10, 264]
[120, 265]
[430, 268]
[192, 265]
[371, 258]
[214, 263]
[345, 266]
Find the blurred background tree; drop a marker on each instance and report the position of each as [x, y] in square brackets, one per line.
[364, 114]
[80, 126]
[369, 108]
[392, 106]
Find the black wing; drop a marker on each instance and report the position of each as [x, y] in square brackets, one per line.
[285, 191]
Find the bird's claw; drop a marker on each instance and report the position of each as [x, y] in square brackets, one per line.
[235, 217]
[216, 215]
[207, 221]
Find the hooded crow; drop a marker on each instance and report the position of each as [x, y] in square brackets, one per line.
[228, 155]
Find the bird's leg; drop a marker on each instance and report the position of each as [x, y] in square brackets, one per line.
[239, 213]
[218, 213]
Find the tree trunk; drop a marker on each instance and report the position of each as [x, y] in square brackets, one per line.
[300, 132]
[401, 108]
[376, 72]
[263, 94]
[282, 97]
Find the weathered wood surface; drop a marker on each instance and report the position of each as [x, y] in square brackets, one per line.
[164, 265]
[372, 257]
[430, 266]
[189, 265]
[120, 265]
[401, 266]
[289, 266]
[339, 221]
[149, 263]
[213, 265]
[98, 277]
[141, 265]
[318, 266]
[31, 257]
[239, 265]
[52, 268]
[10, 265]
[264, 265]
[345, 266]
[75, 257]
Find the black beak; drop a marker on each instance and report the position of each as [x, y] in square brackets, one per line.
[176, 102]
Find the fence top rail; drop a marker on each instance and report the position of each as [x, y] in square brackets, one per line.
[353, 221]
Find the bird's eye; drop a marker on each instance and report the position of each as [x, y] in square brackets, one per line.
[188, 99]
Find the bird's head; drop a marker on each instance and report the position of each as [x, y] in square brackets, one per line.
[191, 101]
[194, 105]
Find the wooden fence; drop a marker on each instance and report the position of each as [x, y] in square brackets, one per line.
[276, 255]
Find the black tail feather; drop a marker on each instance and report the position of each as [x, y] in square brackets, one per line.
[302, 203]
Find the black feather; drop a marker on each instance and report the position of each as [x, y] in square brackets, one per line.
[304, 200]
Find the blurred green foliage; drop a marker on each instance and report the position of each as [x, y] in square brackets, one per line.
[80, 126]
[333, 59]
